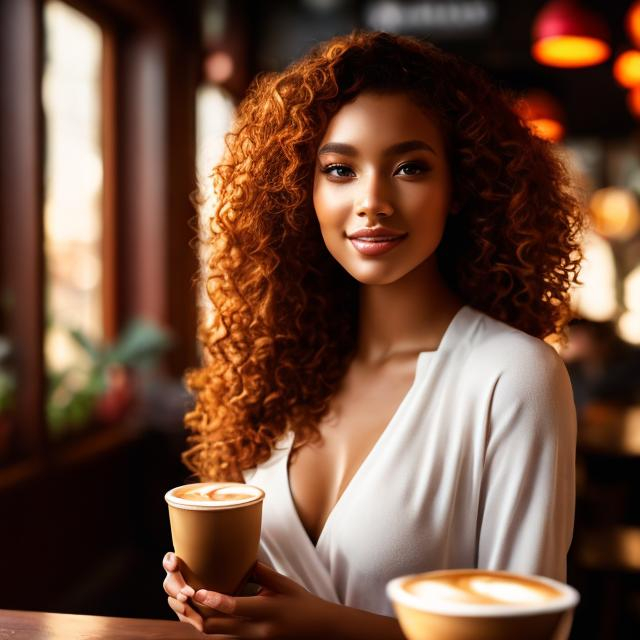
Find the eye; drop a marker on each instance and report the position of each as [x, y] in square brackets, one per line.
[338, 171]
[412, 169]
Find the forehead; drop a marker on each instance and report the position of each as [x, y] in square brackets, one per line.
[374, 119]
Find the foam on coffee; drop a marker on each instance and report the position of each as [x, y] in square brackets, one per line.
[216, 495]
[484, 593]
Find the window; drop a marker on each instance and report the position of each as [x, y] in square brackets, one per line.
[73, 208]
[98, 136]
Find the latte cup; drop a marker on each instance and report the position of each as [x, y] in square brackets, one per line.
[215, 528]
[476, 604]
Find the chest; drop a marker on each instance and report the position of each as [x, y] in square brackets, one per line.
[320, 473]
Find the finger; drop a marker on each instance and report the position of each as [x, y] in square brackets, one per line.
[185, 613]
[170, 562]
[175, 586]
[271, 579]
[256, 607]
[174, 582]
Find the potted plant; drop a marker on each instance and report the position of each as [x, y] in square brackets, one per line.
[107, 391]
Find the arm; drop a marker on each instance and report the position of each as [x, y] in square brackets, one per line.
[528, 490]
[282, 609]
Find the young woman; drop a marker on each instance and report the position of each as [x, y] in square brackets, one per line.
[390, 246]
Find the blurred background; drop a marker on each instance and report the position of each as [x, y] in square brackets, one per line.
[112, 113]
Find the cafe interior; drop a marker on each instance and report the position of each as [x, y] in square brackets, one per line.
[112, 114]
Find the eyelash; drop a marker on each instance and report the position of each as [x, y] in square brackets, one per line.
[336, 165]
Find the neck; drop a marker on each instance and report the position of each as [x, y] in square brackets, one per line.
[406, 316]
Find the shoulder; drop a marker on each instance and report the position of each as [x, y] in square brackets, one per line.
[521, 383]
[495, 350]
[512, 370]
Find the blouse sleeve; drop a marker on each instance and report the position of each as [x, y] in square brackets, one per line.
[527, 496]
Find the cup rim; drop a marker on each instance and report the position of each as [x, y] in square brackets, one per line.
[207, 505]
[568, 599]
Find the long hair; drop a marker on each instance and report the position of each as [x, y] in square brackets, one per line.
[286, 314]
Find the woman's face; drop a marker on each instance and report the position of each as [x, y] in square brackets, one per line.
[381, 169]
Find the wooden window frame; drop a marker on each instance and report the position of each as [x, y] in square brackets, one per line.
[151, 57]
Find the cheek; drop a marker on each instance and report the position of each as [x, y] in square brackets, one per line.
[329, 207]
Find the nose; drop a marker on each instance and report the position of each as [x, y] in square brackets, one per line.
[373, 201]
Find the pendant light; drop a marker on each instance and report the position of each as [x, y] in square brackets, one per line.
[541, 112]
[632, 22]
[633, 101]
[565, 34]
[626, 68]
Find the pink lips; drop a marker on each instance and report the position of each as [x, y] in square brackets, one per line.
[376, 241]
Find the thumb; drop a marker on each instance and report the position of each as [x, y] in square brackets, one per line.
[267, 577]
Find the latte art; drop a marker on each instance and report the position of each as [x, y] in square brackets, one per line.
[481, 589]
[213, 495]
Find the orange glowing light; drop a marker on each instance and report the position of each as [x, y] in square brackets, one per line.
[542, 114]
[547, 129]
[565, 34]
[633, 101]
[570, 51]
[614, 213]
[626, 69]
[633, 23]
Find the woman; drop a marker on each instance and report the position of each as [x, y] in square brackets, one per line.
[390, 246]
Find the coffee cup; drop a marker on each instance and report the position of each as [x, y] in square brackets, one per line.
[477, 604]
[215, 528]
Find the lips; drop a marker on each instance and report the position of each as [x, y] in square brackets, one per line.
[376, 241]
[376, 246]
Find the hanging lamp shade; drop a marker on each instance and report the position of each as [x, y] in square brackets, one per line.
[542, 114]
[567, 35]
[626, 68]
[632, 22]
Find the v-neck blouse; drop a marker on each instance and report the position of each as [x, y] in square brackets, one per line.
[475, 469]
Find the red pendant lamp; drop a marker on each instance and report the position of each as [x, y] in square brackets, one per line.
[567, 35]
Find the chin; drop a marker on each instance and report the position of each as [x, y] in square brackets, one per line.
[378, 275]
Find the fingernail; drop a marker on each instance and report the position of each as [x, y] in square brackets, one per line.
[168, 556]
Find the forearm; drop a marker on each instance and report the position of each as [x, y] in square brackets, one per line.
[354, 624]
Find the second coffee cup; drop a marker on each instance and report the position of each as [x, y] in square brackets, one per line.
[215, 527]
[477, 604]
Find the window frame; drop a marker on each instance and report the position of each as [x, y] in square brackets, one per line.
[150, 75]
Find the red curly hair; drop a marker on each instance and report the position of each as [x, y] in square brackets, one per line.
[284, 330]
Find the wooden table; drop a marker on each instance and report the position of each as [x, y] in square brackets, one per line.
[36, 625]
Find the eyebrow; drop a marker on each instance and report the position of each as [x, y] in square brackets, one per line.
[401, 147]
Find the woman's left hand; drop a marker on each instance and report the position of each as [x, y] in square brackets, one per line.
[282, 609]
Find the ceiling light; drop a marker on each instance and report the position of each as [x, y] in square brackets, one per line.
[632, 22]
[626, 68]
[542, 114]
[567, 35]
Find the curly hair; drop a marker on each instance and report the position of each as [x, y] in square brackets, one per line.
[284, 328]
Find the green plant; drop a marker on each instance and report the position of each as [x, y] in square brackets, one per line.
[7, 391]
[7, 379]
[73, 394]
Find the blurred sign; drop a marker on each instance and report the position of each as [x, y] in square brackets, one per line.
[440, 18]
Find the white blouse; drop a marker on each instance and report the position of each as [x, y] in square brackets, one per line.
[475, 469]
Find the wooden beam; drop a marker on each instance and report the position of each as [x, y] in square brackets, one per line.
[21, 197]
